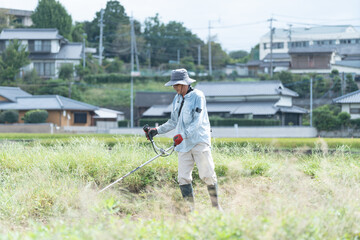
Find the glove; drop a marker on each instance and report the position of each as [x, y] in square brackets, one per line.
[152, 133]
[177, 139]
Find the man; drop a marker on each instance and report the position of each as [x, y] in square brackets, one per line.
[190, 119]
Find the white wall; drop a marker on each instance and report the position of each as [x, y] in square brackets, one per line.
[55, 46]
[345, 107]
[284, 101]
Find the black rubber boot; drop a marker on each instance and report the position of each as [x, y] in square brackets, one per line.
[213, 192]
[188, 194]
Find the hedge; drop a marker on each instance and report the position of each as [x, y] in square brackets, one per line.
[219, 122]
[123, 123]
[36, 116]
[244, 122]
[120, 78]
[152, 121]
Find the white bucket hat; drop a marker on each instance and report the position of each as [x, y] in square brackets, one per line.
[180, 76]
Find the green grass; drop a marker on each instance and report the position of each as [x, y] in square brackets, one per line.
[49, 191]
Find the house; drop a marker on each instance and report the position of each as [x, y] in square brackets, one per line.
[16, 16]
[250, 100]
[62, 111]
[315, 49]
[350, 103]
[239, 68]
[146, 100]
[107, 118]
[302, 37]
[48, 50]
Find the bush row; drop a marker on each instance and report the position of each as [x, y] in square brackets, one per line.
[244, 122]
[220, 122]
[120, 78]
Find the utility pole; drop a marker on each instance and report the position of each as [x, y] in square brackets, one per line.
[149, 55]
[209, 43]
[343, 87]
[199, 55]
[132, 73]
[178, 56]
[84, 56]
[311, 101]
[101, 25]
[271, 45]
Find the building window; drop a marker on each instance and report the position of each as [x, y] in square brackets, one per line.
[324, 42]
[80, 117]
[42, 46]
[46, 69]
[355, 110]
[278, 45]
[299, 44]
[264, 45]
[349, 41]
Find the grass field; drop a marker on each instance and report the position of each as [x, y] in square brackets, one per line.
[48, 190]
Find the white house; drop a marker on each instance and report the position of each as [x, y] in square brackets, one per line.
[48, 50]
[284, 39]
[315, 49]
[17, 16]
[350, 103]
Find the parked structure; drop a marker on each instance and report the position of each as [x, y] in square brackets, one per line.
[350, 103]
[107, 118]
[48, 50]
[62, 111]
[250, 100]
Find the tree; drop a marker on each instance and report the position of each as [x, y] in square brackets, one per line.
[325, 118]
[66, 71]
[238, 55]
[51, 14]
[165, 40]
[12, 59]
[351, 86]
[117, 26]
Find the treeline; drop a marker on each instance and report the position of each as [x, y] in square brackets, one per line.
[331, 85]
[158, 43]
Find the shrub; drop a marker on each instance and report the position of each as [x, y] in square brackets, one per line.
[243, 122]
[152, 121]
[9, 116]
[326, 118]
[123, 123]
[66, 71]
[36, 116]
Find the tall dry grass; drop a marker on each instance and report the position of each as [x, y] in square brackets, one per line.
[51, 192]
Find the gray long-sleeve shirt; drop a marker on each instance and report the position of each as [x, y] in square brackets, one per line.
[192, 123]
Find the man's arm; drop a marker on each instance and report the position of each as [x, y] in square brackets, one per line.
[198, 109]
[170, 124]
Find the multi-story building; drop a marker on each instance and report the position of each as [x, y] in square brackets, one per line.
[48, 50]
[315, 49]
[16, 17]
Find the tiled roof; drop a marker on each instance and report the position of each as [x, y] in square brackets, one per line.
[298, 32]
[30, 34]
[254, 108]
[12, 93]
[148, 99]
[277, 56]
[353, 97]
[68, 51]
[348, 63]
[236, 89]
[46, 102]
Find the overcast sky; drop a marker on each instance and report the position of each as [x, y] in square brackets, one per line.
[236, 24]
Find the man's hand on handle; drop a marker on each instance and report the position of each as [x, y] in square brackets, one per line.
[177, 139]
[150, 132]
